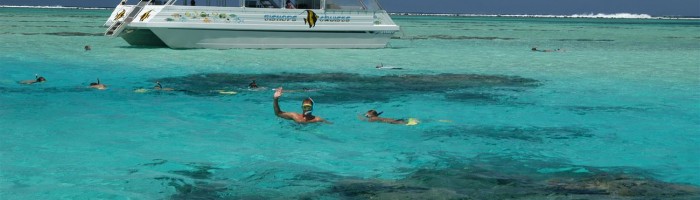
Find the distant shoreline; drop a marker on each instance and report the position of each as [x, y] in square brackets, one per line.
[57, 7]
[589, 16]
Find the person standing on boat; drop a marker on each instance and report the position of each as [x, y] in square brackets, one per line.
[290, 5]
[307, 107]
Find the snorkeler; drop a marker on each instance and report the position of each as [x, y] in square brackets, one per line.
[546, 50]
[381, 66]
[37, 79]
[253, 85]
[98, 85]
[158, 86]
[307, 107]
[303, 89]
[373, 116]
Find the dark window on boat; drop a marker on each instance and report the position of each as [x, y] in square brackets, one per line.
[218, 3]
[352, 5]
[264, 3]
[308, 4]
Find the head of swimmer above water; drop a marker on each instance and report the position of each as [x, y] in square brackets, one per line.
[307, 106]
[372, 113]
[158, 85]
[40, 78]
[94, 84]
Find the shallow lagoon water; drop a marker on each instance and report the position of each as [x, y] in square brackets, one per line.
[615, 115]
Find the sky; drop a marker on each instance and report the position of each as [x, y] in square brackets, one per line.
[538, 7]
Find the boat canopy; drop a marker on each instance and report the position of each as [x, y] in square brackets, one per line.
[369, 5]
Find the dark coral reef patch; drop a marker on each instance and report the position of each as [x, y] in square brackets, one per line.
[497, 177]
[348, 87]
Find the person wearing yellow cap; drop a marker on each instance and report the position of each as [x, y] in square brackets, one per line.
[307, 107]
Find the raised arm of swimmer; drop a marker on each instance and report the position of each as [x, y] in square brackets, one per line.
[275, 104]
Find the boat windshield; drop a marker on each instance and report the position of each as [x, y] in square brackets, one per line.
[353, 4]
[218, 3]
[370, 5]
[307, 4]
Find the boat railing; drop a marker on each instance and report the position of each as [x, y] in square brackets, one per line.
[268, 10]
[118, 26]
[279, 4]
[364, 6]
[137, 9]
[322, 11]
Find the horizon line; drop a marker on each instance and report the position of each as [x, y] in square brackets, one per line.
[620, 15]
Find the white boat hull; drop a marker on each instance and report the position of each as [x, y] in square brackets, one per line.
[182, 38]
[186, 27]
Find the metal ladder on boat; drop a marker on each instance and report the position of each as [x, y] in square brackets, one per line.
[118, 26]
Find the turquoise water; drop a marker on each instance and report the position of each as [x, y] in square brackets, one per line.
[621, 99]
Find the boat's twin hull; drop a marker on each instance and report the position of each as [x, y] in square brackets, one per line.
[182, 38]
[142, 37]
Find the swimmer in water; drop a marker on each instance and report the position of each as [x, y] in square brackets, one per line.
[88, 48]
[303, 89]
[158, 86]
[37, 79]
[381, 66]
[373, 116]
[253, 85]
[98, 85]
[307, 107]
[546, 50]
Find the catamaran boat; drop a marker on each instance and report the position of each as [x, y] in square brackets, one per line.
[253, 24]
